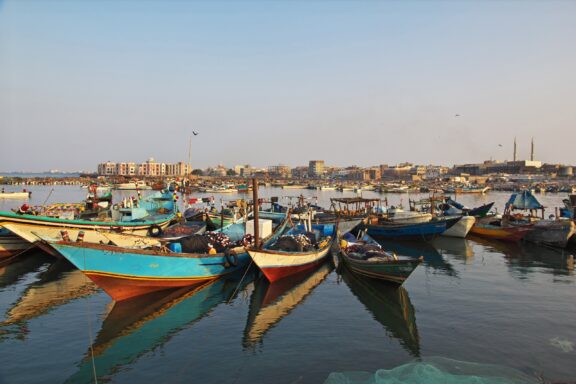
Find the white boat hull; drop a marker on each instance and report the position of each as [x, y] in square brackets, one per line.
[461, 228]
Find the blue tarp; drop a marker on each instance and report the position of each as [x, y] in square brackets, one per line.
[524, 200]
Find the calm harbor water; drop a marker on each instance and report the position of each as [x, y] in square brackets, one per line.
[472, 300]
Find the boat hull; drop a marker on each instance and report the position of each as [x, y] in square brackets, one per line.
[31, 233]
[513, 234]
[407, 231]
[134, 228]
[555, 233]
[461, 228]
[124, 273]
[276, 265]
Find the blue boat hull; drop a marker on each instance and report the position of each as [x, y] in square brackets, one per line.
[407, 231]
[125, 273]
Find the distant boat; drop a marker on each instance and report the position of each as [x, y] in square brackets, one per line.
[365, 257]
[382, 228]
[138, 184]
[467, 189]
[15, 195]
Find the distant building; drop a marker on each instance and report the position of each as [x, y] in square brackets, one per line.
[148, 168]
[279, 170]
[316, 168]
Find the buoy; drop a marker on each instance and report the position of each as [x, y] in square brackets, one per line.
[80, 237]
[64, 235]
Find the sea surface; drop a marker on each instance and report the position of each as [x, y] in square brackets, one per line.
[481, 304]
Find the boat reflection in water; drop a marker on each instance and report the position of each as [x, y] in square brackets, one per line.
[271, 302]
[416, 248]
[58, 285]
[458, 248]
[389, 305]
[526, 258]
[136, 326]
[24, 264]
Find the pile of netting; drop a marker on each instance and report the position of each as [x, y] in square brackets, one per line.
[302, 242]
[367, 252]
[216, 241]
[436, 370]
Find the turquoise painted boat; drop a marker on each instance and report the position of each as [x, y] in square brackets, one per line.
[128, 272]
[146, 217]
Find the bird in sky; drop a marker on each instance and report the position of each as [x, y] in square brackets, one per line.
[195, 133]
[456, 115]
[499, 145]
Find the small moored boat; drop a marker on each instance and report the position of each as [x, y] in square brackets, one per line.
[364, 256]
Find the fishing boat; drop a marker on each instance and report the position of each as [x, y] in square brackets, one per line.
[491, 227]
[467, 189]
[380, 227]
[128, 272]
[132, 185]
[15, 195]
[293, 249]
[450, 206]
[364, 256]
[147, 216]
[33, 234]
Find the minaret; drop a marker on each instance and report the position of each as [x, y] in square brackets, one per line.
[514, 156]
[532, 150]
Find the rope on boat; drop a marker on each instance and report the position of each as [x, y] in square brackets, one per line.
[90, 333]
[240, 283]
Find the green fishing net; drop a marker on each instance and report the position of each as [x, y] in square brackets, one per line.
[435, 370]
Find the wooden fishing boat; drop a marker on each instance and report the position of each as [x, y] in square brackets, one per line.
[382, 228]
[364, 256]
[15, 195]
[146, 217]
[128, 272]
[492, 228]
[467, 189]
[132, 185]
[35, 233]
[555, 233]
[293, 249]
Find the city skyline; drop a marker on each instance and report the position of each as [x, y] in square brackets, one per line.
[351, 83]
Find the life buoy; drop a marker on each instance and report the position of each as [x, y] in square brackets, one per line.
[231, 257]
[116, 207]
[154, 230]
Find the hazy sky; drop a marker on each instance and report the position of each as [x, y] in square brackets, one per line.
[271, 81]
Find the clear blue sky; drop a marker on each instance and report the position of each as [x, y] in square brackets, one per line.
[268, 82]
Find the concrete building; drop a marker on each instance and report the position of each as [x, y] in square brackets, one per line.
[316, 168]
[150, 168]
[279, 170]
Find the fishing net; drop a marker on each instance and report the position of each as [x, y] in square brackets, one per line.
[295, 243]
[435, 371]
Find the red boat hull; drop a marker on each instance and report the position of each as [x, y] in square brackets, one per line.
[121, 288]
